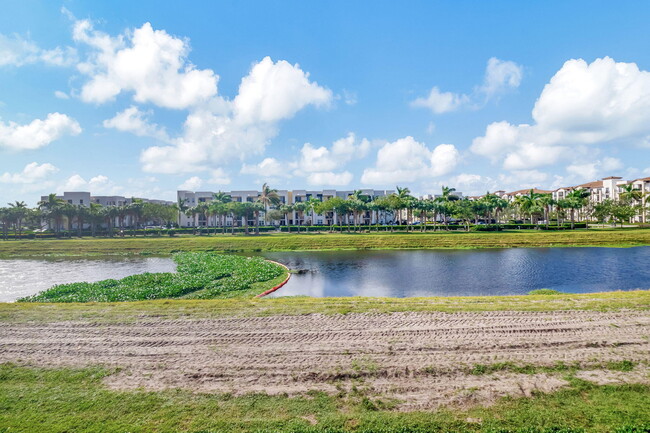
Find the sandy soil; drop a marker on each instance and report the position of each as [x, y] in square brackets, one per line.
[418, 358]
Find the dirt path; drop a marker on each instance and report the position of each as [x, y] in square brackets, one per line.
[420, 358]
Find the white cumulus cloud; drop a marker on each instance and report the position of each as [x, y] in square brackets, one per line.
[18, 51]
[151, 64]
[583, 104]
[407, 160]
[229, 130]
[137, 122]
[191, 184]
[37, 133]
[32, 173]
[500, 76]
[330, 178]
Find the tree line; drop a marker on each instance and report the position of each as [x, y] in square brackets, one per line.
[355, 211]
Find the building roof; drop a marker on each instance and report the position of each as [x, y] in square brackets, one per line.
[612, 177]
[594, 184]
[527, 190]
[645, 179]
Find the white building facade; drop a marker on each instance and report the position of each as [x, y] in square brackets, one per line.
[287, 197]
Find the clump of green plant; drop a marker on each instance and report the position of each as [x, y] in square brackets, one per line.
[544, 292]
[199, 275]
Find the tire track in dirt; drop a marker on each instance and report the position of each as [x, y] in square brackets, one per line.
[422, 358]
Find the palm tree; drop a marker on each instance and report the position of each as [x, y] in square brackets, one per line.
[218, 207]
[258, 207]
[18, 210]
[51, 208]
[631, 195]
[286, 209]
[546, 201]
[528, 204]
[268, 197]
[402, 200]
[299, 208]
[94, 215]
[357, 202]
[182, 207]
[576, 199]
[135, 209]
[311, 205]
[5, 218]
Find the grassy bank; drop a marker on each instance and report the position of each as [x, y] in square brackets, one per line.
[57, 400]
[325, 241]
[211, 308]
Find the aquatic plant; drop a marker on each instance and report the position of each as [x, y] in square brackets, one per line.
[199, 275]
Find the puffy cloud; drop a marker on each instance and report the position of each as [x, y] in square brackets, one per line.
[17, 51]
[593, 170]
[61, 95]
[226, 130]
[343, 150]
[407, 160]
[583, 104]
[191, 184]
[32, 173]
[444, 159]
[329, 178]
[268, 168]
[219, 177]
[38, 133]
[136, 122]
[441, 102]
[275, 91]
[150, 63]
[500, 76]
[98, 185]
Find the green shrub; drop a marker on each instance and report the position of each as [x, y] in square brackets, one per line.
[544, 292]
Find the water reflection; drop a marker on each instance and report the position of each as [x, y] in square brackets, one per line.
[465, 272]
[24, 277]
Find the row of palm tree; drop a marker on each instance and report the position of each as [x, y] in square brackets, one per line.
[359, 209]
[355, 210]
[62, 216]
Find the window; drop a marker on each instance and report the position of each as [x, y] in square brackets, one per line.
[81, 201]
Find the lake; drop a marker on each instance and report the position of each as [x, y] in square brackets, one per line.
[403, 273]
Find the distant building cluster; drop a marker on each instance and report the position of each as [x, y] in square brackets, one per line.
[85, 198]
[287, 197]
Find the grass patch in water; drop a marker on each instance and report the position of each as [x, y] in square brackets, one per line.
[544, 292]
[199, 276]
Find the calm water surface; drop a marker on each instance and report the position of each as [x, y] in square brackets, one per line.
[383, 273]
[24, 277]
[465, 272]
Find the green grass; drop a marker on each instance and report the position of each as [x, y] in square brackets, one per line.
[544, 292]
[560, 367]
[199, 276]
[75, 400]
[110, 312]
[325, 241]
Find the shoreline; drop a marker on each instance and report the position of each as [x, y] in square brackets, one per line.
[86, 247]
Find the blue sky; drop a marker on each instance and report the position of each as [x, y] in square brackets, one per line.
[142, 98]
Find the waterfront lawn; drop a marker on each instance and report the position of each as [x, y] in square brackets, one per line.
[325, 241]
[112, 312]
[75, 400]
[199, 276]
